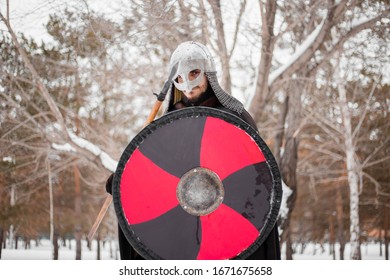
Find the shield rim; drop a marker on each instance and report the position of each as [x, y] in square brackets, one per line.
[276, 195]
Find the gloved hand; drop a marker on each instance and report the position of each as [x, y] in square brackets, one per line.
[109, 184]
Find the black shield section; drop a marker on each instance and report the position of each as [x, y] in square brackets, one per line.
[179, 141]
[248, 192]
[178, 236]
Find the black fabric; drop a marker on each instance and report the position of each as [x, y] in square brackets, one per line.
[109, 184]
[270, 248]
[126, 251]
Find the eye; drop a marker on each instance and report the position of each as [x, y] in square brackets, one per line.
[194, 73]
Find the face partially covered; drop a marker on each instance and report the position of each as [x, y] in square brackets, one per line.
[190, 79]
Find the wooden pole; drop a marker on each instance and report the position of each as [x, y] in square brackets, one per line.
[107, 202]
[99, 218]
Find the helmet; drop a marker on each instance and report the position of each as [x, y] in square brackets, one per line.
[190, 56]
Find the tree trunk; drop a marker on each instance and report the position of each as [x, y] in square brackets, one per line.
[331, 236]
[16, 242]
[380, 243]
[1, 239]
[51, 209]
[98, 246]
[78, 242]
[353, 177]
[267, 45]
[77, 211]
[111, 250]
[1, 226]
[11, 228]
[26, 243]
[89, 245]
[223, 52]
[55, 245]
[340, 223]
[289, 247]
[289, 159]
[280, 131]
[386, 230]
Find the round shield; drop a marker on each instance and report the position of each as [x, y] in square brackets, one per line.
[197, 183]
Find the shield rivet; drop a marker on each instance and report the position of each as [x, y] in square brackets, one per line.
[200, 191]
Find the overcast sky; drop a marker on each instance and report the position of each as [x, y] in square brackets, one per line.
[30, 16]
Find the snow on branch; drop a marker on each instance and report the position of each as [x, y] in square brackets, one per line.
[284, 210]
[287, 191]
[298, 53]
[353, 28]
[63, 147]
[84, 144]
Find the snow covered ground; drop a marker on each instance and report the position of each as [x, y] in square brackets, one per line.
[314, 262]
[370, 251]
[110, 251]
[44, 251]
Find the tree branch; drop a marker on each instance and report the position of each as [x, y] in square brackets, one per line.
[237, 27]
[303, 54]
[366, 161]
[352, 32]
[357, 128]
[41, 87]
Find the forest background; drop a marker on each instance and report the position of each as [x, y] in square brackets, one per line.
[314, 74]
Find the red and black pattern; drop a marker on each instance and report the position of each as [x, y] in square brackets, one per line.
[150, 169]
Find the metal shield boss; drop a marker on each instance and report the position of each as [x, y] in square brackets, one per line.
[197, 183]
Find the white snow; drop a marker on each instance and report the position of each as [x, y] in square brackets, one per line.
[311, 251]
[300, 50]
[106, 160]
[283, 207]
[44, 251]
[109, 163]
[63, 147]
[9, 159]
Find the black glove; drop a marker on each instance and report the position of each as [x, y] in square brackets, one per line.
[109, 184]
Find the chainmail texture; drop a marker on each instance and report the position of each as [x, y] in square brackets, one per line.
[225, 98]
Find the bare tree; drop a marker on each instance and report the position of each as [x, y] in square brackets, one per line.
[320, 29]
[352, 171]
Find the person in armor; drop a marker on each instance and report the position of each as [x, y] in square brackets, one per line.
[195, 84]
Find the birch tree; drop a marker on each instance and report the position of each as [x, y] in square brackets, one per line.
[352, 171]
